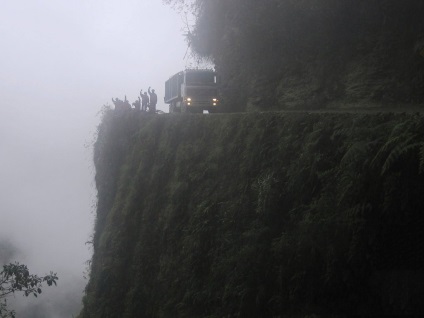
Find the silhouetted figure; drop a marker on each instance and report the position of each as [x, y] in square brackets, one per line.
[153, 100]
[137, 104]
[144, 101]
[119, 104]
[126, 104]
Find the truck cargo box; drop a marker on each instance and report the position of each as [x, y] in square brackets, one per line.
[173, 87]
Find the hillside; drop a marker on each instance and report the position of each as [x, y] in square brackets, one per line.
[258, 215]
[291, 54]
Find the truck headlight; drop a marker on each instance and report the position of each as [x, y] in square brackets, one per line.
[189, 99]
[214, 99]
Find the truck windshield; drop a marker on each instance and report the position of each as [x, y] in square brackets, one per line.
[200, 78]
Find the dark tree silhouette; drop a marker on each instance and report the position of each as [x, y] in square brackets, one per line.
[17, 278]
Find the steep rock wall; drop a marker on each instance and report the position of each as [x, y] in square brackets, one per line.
[258, 215]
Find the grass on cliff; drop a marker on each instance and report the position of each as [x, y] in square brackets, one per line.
[256, 215]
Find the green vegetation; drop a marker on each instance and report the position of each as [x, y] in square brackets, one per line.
[297, 54]
[272, 214]
[16, 278]
[258, 215]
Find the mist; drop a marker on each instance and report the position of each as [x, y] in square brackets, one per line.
[61, 62]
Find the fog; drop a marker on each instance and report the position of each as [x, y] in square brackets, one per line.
[60, 62]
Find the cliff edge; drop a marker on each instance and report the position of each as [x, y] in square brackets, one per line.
[258, 215]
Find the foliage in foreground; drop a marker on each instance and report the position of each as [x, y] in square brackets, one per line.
[258, 215]
[16, 277]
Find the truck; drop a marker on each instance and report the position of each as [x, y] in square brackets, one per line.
[193, 91]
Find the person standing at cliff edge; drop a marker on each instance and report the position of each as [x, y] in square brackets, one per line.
[137, 104]
[153, 100]
[144, 100]
[126, 104]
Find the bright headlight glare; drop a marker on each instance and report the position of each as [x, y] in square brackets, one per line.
[189, 99]
[214, 99]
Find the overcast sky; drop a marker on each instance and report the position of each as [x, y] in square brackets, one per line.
[60, 61]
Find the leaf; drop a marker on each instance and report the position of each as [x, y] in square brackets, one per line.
[397, 153]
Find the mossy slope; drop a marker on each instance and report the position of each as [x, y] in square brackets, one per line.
[258, 215]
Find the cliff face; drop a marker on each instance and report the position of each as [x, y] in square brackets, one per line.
[258, 215]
